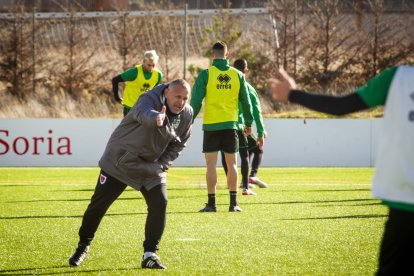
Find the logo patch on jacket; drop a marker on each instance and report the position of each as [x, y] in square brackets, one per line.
[102, 179]
[176, 122]
[224, 79]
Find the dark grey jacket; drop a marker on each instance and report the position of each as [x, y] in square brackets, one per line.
[139, 152]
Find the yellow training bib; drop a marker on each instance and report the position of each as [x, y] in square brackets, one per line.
[222, 96]
[137, 87]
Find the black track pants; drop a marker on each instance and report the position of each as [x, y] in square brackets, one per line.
[105, 194]
[397, 247]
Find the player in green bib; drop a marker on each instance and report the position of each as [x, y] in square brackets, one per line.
[221, 87]
[139, 79]
[394, 174]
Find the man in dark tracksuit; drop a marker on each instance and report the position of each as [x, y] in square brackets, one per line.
[138, 153]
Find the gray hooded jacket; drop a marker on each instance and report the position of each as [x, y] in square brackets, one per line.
[139, 152]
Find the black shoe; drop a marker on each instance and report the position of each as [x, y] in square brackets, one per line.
[79, 255]
[235, 208]
[152, 262]
[209, 208]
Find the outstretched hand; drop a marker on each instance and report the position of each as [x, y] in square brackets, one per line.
[281, 88]
[161, 117]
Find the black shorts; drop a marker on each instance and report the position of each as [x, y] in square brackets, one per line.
[225, 140]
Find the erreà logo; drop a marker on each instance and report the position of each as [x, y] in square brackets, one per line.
[145, 86]
[223, 81]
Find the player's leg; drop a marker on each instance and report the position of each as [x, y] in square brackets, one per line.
[232, 180]
[223, 162]
[396, 252]
[229, 145]
[156, 200]
[257, 160]
[211, 174]
[107, 190]
[211, 179]
[211, 145]
[244, 158]
[257, 154]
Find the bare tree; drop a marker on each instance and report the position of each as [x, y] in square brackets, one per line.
[79, 54]
[328, 45]
[388, 38]
[16, 57]
[128, 33]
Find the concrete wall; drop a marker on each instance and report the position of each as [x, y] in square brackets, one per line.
[291, 142]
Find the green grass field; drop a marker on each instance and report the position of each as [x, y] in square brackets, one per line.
[310, 221]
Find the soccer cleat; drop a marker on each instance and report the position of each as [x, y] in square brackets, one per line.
[248, 192]
[235, 208]
[209, 208]
[79, 256]
[257, 181]
[152, 262]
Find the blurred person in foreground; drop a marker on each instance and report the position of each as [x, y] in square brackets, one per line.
[393, 181]
[138, 154]
[250, 146]
[139, 79]
[221, 87]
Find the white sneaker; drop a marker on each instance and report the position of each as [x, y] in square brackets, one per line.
[248, 192]
[257, 181]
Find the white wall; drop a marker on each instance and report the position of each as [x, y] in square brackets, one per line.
[291, 142]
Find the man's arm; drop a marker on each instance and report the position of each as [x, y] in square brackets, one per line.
[244, 99]
[174, 149]
[284, 90]
[335, 105]
[257, 111]
[129, 75]
[145, 112]
[160, 76]
[115, 82]
[199, 92]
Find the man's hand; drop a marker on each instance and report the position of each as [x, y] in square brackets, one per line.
[260, 142]
[247, 130]
[119, 100]
[281, 88]
[161, 117]
[265, 134]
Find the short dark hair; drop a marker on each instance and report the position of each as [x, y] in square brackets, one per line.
[219, 45]
[240, 64]
[219, 49]
[180, 82]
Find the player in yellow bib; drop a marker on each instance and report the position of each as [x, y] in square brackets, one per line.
[139, 79]
[221, 87]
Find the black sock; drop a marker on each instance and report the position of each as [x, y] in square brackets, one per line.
[84, 244]
[212, 199]
[233, 198]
